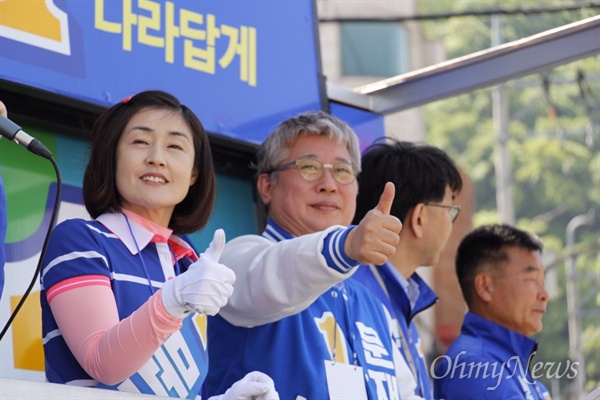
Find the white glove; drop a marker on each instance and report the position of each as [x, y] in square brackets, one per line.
[204, 287]
[254, 386]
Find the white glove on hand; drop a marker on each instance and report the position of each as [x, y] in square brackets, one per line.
[254, 386]
[204, 287]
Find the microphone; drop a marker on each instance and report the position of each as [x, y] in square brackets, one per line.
[13, 132]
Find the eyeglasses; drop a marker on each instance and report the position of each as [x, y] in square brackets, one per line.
[453, 210]
[312, 170]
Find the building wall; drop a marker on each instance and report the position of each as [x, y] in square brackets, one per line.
[404, 125]
[450, 309]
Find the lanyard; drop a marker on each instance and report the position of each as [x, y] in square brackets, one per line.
[407, 350]
[176, 264]
[339, 292]
[140, 254]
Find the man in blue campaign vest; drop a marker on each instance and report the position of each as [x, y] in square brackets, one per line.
[427, 182]
[501, 276]
[293, 314]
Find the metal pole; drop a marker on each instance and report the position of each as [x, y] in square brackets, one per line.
[502, 162]
[573, 306]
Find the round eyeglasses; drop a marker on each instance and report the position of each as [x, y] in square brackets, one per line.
[312, 170]
[453, 210]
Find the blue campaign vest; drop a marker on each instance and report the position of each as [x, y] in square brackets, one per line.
[178, 367]
[487, 361]
[398, 303]
[293, 349]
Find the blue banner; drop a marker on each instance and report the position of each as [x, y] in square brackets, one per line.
[241, 65]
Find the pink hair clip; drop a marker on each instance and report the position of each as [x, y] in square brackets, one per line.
[126, 100]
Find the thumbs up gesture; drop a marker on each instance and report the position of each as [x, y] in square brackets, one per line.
[374, 239]
[204, 287]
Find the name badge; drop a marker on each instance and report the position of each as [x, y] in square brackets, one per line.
[345, 381]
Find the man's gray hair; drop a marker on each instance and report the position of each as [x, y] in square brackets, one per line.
[275, 148]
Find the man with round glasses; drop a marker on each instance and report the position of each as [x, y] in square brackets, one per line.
[294, 314]
[426, 182]
[313, 169]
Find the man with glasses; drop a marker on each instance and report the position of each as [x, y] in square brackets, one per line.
[294, 315]
[426, 182]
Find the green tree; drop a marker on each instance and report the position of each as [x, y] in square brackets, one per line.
[554, 147]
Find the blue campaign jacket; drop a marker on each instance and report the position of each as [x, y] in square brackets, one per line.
[399, 305]
[487, 361]
[292, 343]
[107, 247]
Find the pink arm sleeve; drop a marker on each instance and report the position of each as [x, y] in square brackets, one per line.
[110, 350]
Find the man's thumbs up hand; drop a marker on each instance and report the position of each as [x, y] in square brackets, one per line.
[374, 239]
[387, 199]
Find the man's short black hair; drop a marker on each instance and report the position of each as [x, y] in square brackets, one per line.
[487, 245]
[420, 173]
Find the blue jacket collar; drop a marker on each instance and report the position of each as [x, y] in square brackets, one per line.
[426, 299]
[506, 339]
[275, 232]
